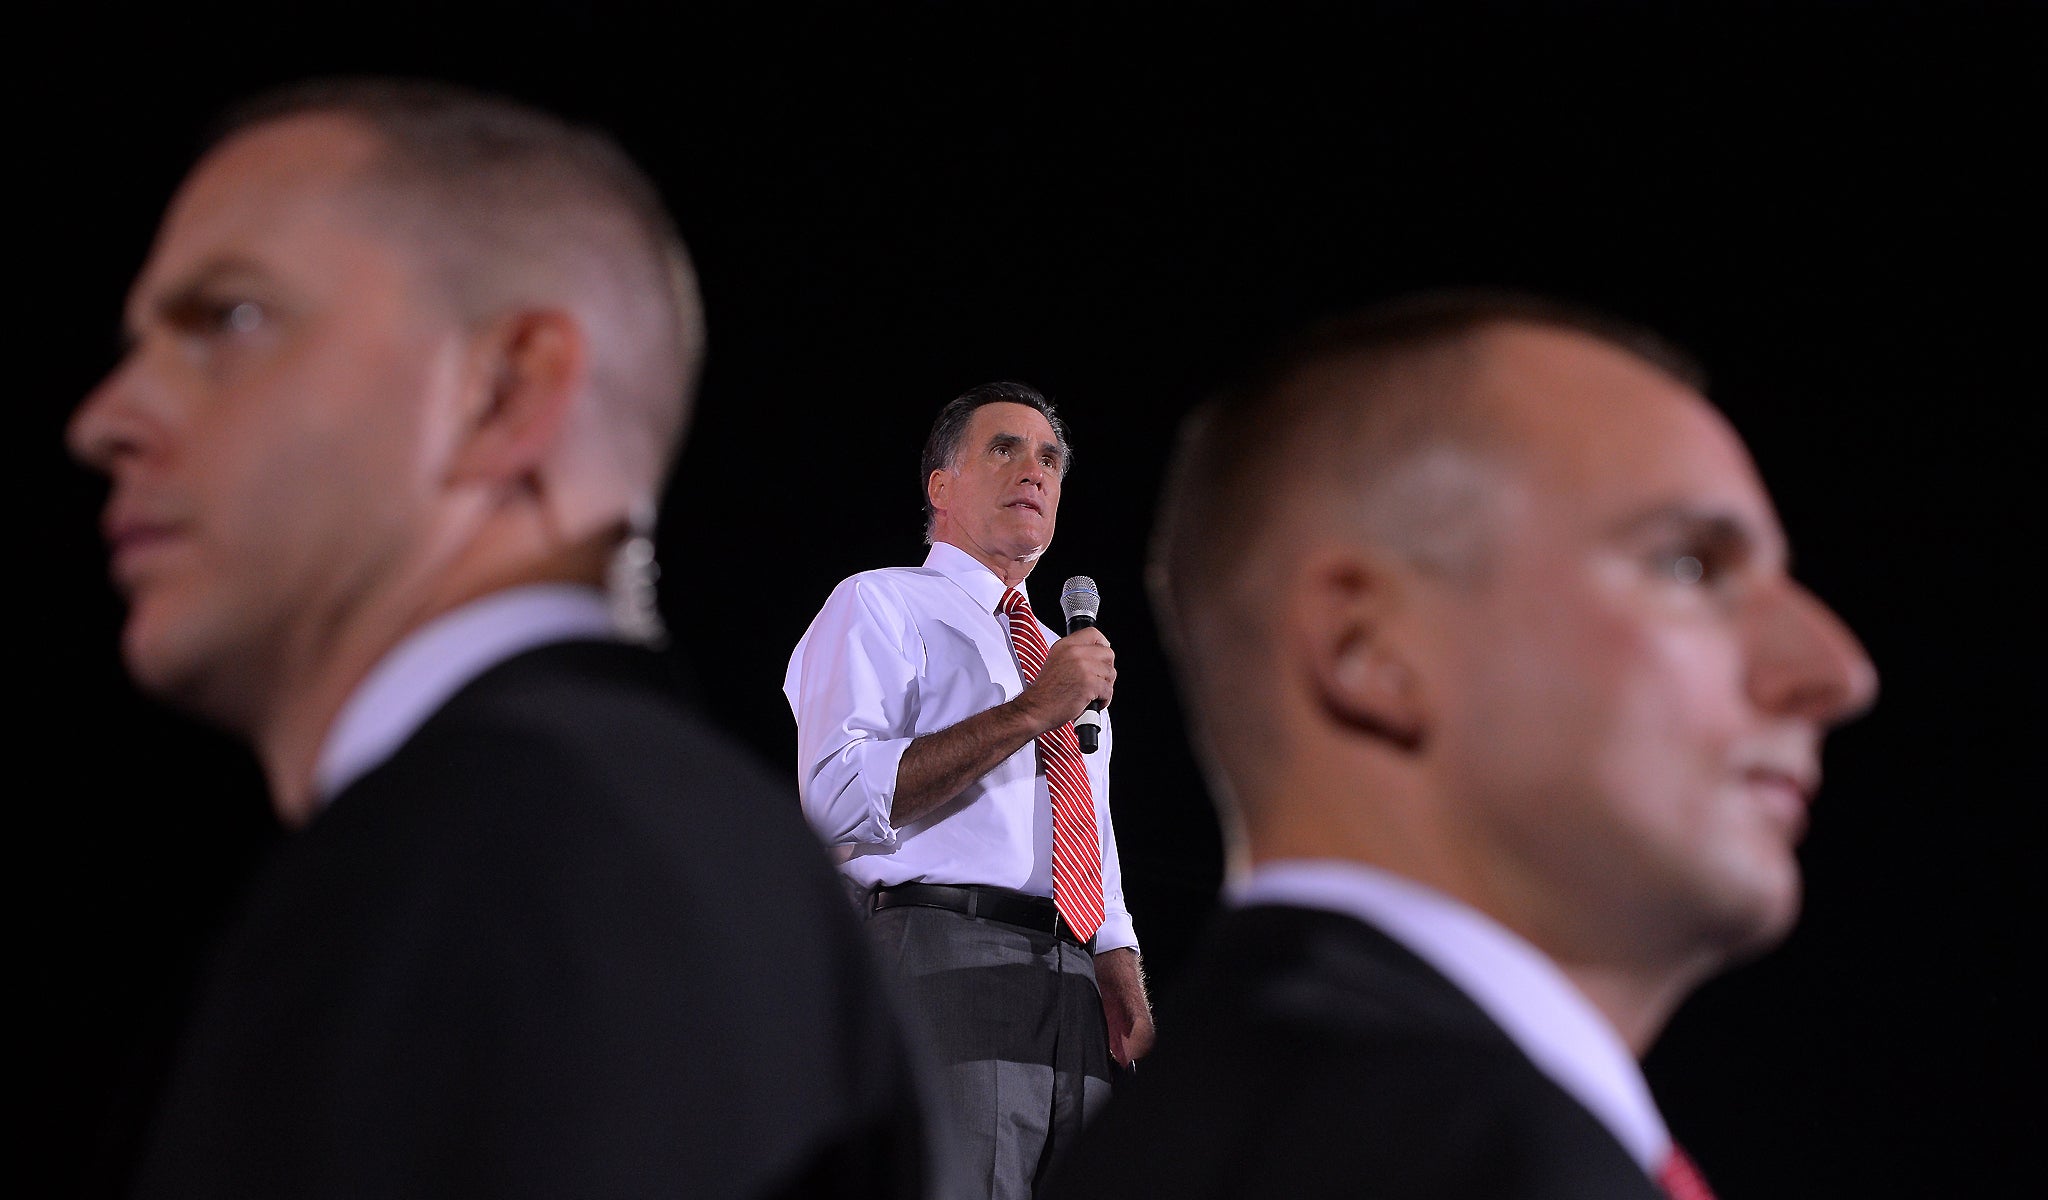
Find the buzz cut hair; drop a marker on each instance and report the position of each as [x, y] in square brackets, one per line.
[506, 202]
[1242, 450]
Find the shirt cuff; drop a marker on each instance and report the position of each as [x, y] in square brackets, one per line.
[879, 761]
[1117, 932]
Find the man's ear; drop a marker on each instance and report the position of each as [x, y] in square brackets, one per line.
[1347, 628]
[935, 485]
[532, 365]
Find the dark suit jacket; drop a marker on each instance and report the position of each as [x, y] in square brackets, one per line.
[567, 942]
[1314, 1056]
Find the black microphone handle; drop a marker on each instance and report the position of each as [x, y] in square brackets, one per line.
[1089, 735]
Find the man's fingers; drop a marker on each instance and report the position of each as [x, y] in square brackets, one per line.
[1080, 671]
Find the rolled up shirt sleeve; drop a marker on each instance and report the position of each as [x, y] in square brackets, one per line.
[852, 685]
[899, 652]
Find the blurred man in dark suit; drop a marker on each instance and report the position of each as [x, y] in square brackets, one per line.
[1485, 620]
[407, 368]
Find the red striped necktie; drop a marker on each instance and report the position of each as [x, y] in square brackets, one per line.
[1076, 850]
[1681, 1180]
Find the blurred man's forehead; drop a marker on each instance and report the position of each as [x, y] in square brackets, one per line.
[280, 160]
[1592, 410]
[262, 201]
[1613, 445]
[1565, 371]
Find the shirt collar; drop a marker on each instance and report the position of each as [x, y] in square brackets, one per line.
[983, 585]
[418, 675]
[1516, 984]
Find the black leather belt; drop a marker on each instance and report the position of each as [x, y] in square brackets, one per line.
[975, 900]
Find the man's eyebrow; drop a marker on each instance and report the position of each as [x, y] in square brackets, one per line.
[171, 302]
[1007, 440]
[1717, 527]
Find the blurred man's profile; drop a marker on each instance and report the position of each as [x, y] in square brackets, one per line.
[1484, 619]
[407, 368]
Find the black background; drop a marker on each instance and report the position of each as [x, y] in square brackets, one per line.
[1831, 203]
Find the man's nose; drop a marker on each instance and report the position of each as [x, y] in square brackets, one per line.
[110, 422]
[1807, 662]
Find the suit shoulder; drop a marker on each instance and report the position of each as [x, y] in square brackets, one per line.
[588, 748]
[1313, 1056]
[572, 811]
[1399, 1113]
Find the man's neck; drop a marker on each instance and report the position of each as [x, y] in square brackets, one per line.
[1637, 1002]
[289, 730]
[288, 741]
[1011, 571]
[1635, 997]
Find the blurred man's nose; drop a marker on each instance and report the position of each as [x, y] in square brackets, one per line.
[1807, 662]
[111, 422]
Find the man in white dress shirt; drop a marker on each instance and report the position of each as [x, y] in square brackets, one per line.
[1485, 621]
[919, 757]
[407, 368]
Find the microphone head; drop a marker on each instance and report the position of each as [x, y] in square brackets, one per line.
[1078, 598]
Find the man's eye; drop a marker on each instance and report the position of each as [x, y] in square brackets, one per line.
[242, 316]
[207, 315]
[1690, 565]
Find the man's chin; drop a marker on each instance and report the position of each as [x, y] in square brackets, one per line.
[163, 662]
[1760, 917]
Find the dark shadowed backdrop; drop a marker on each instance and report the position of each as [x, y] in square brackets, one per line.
[891, 203]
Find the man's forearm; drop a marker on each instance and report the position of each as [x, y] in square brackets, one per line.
[1126, 1010]
[939, 766]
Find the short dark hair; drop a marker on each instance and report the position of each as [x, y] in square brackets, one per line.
[460, 135]
[502, 187]
[942, 446]
[1232, 449]
[1445, 314]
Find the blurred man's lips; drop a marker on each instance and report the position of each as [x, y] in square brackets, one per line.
[1802, 779]
[132, 542]
[1785, 794]
[1030, 504]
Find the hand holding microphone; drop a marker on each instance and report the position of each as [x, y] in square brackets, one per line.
[1079, 675]
[1080, 600]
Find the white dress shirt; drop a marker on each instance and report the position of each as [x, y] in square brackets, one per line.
[417, 677]
[902, 652]
[1515, 983]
